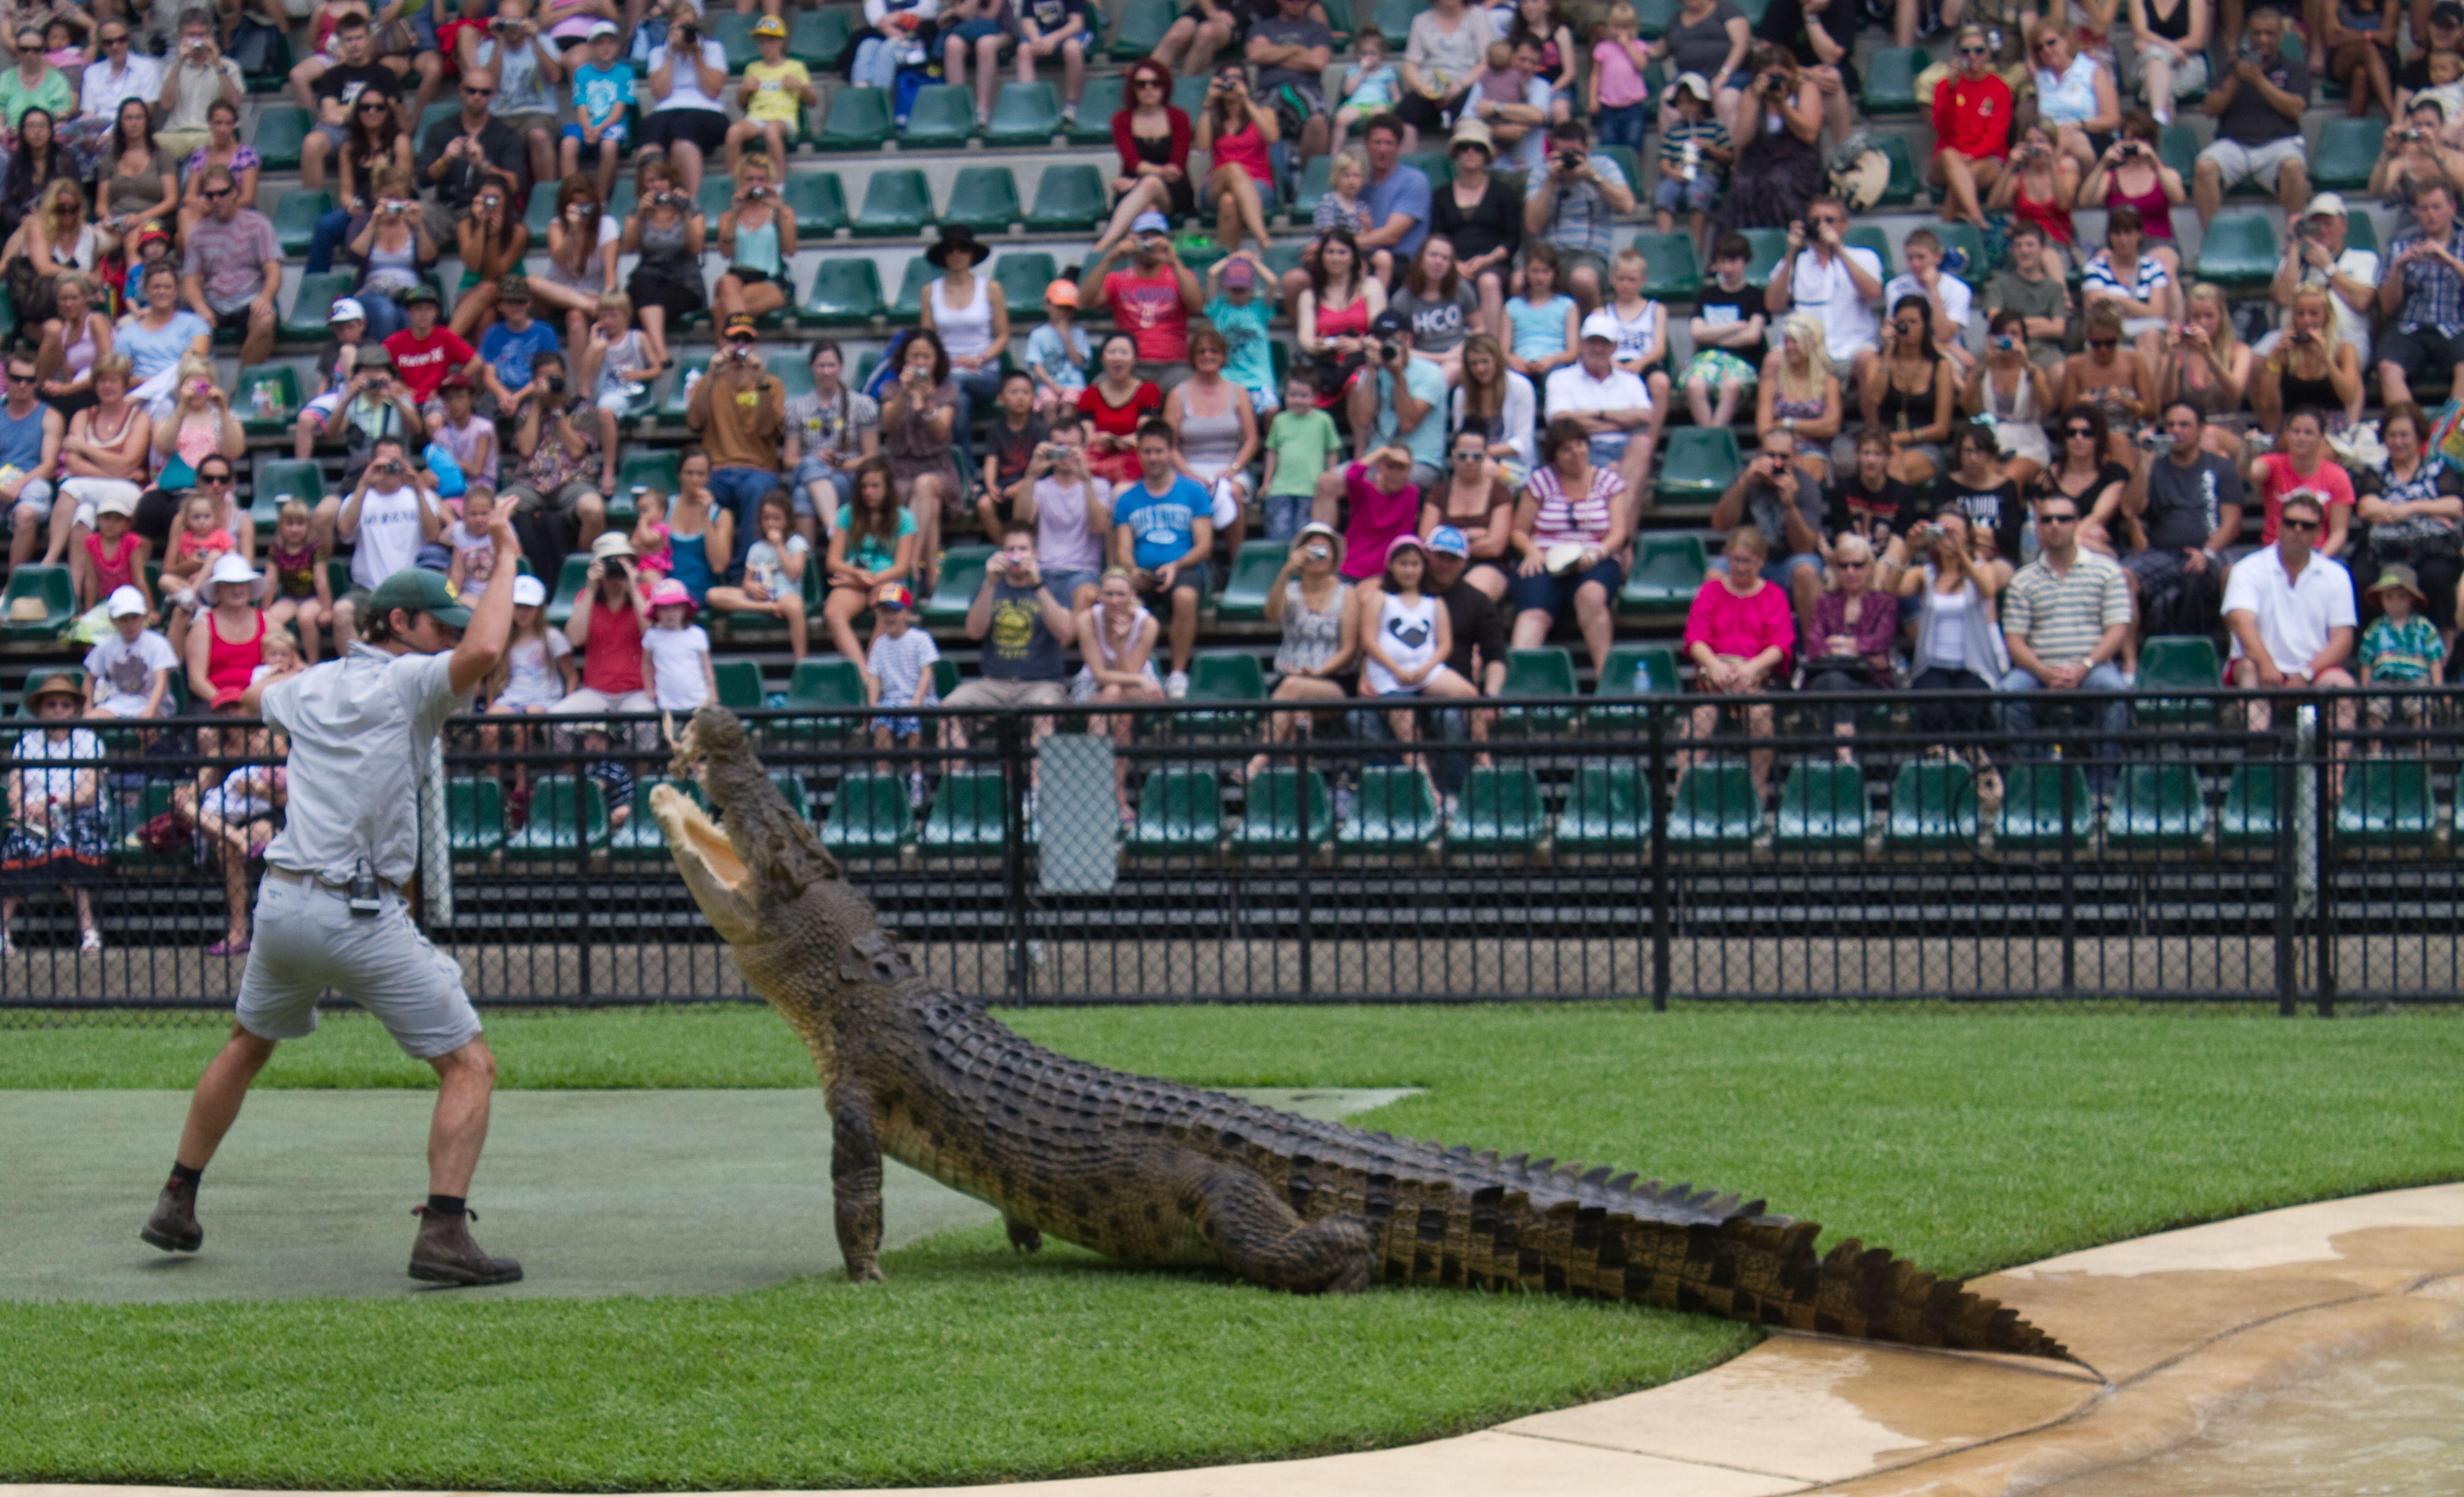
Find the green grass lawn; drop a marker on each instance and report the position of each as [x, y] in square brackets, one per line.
[1965, 1141]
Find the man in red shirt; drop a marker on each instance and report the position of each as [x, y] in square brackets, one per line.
[1152, 300]
[423, 353]
[1972, 129]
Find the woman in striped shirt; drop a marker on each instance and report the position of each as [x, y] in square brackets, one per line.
[1570, 503]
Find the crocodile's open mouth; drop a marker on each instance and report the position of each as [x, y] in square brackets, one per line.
[712, 871]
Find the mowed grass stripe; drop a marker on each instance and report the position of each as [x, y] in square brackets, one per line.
[1964, 1141]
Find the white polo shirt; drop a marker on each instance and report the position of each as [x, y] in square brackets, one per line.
[1571, 389]
[1850, 323]
[2294, 614]
[359, 730]
[1956, 297]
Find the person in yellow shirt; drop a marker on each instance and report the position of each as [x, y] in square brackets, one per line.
[775, 94]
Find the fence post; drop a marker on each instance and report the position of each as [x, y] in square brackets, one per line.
[1656, 796]
[1016, 776]
[2070, 879]
[2323, 854]
[2288, 873]
[617, 746]
[1308, 850]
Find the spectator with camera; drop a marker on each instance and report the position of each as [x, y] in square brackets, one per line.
[2413, 152]
[1839, 283]
[394, 250]
[1778, 172]
[1780, 496]
[1150, 299]
[2131, 174]
[689, 81]
[2317, 254]
[2188, 503]
[196, 77]
[2310, 366]
[385, 520]
[1572, 206]
[1164, 531]
[757, 239]
[609, 619]
[740, 411]
[2423, 293]
[467, 151]
[1023, 623]
[1397, 400]
[530, 71]
[375, 407]
[567, 457]
[1318, 656]
[2258, 105]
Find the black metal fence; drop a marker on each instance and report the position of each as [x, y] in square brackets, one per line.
[2297, 850]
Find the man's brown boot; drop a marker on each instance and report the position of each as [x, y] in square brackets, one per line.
[173, 1226]
[445, 1254]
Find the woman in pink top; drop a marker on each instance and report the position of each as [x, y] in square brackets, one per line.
[1740, 636]
[1237, 130]
[2304, 465]
[1385, 503]
[2130, 172]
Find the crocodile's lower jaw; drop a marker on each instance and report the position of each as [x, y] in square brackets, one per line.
[717, 877]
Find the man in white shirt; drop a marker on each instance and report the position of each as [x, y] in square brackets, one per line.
[2316, 254]
[2291, 613]
[118, 74]
[1841, 284]
[1948, 296]
[330, 914]
[1608, 402]
[385, 521]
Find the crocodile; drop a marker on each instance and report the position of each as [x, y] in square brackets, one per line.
[1151, 1172]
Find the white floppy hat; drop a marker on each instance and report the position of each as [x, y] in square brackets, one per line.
[230, 567]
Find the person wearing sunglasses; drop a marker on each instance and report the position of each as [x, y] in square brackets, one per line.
[466, 151]
[330, 90]
[2302, 464]
[2066, 618]
[2292, 615]
[2119, 378]
[120, 73]
[2075, 94]
[33, 83]
[1972, 129]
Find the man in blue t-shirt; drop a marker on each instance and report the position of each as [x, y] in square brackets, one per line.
[506, 349]
[1396, 195]
[1163, 528]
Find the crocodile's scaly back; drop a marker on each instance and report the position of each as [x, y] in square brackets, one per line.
[1152, 1170]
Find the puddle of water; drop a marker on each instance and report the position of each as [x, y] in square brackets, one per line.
[2383, 1426]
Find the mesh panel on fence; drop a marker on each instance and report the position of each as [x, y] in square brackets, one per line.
[2228, 846]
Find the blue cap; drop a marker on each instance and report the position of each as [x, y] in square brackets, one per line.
[1150, 221]
[1448, 541]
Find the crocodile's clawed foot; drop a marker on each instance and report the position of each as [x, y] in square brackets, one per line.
[680, 764]
[1022, 1236]
[864, 1273]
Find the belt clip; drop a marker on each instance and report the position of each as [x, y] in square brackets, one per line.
[364, 890]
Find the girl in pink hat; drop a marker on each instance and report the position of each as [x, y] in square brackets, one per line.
[675, 652]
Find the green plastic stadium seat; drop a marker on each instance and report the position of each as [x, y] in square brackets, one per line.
[908, 306]
[1069, 197]
[791, 789]
[313, 303]
[718, 195]
[280, 479]
[1964, 238]
[2361, 233]
[1189, 94]
[569, 580]
[1180, 813]
[818, 202]
[1021, 274]
[1639, 671]
[2251, 816]
[156, 802]
[1096, 108]
[277, 63]
[542, 210]
[1668, 571]
[2156, 808]
[1715, 809]
[983, 199]
[968, 818]
[638, 840]
[1768, 246]
[2387, 803]
[281, 129]
[941, 117]
[1218, 677]
[1606, 811]
[1903, 186]
[733, 31]
[818, 38]
[1396, 812]
[897, 201]
[1544, 671]
[2032, 809]
[1394, 19]
[869, 818]
[792, 371]
[1500, 811]
[1933, 806]
[1698, 463]
[824, 687]
[858, 120]
[945, 677]
[441, 109]
[475, 816]
[650, 469]
[1025, 114]
[1821, 808]
[2177, 146]
[1655, 17]
[739, 684]
[1670, 269]
[1870, 236]
[2347, 151]
[1891, 80]
[1631, 165]
[1143, 23]
[2173, 661]
[2239, 250]
[567, 816]
[281, 383]
[49, 585]
[1253, 570]
[1437, 165]
[846, 293]
[1316, 178]
[963, 576]
[295, 218]
[1271, 821]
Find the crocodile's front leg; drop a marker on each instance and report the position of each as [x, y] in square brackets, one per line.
[856, 1185]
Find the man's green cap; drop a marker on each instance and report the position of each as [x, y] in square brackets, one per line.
[420, 591]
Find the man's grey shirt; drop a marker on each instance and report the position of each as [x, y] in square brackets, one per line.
[359, 729]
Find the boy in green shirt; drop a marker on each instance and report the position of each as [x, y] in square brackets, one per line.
[1301, 444]
[2400, 648]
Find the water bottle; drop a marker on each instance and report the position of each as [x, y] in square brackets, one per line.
[1693, 160]
[1642, 686]
[692, 377]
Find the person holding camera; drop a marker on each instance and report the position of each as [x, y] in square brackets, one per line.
[567, 460]
[465, 152]
[494, 243]
[2131, 174]
[1571, 207]
[1022, 620]
[530, 72]
[1779, 160]
[2317, 254]
[689, 79]
[609, 618]
[1150, 300]
[1839, 283]
[1397, 400]
[740, 411]
[2413, 152]
[385, 520]
[197, 75]
[667, 233]
[394, 250]
[2258, 105]
[758, 240]
[2309, 366]
[1235, 130]
[1071, 510]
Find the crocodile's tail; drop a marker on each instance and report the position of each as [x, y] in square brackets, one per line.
[1705, 1253]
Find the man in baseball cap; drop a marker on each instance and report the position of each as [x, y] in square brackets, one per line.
[2314, 253]
[1404, 405]
[1150, 299]
[1479, 627]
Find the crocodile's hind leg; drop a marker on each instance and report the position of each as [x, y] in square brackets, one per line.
[1256, 1234]
[1022, 1236]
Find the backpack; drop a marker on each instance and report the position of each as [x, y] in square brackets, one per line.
[1859, 173]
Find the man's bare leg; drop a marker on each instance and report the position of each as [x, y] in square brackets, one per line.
[466, 1079]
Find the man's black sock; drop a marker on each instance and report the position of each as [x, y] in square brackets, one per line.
[181, 1174]
[447, 1206]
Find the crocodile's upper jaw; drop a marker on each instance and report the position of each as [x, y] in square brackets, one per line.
[712, 869]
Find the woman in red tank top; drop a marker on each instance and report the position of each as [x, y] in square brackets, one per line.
[1335, 312]
[1238, 130]
[2130, 173]
[2039, 189]
[226, 642]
